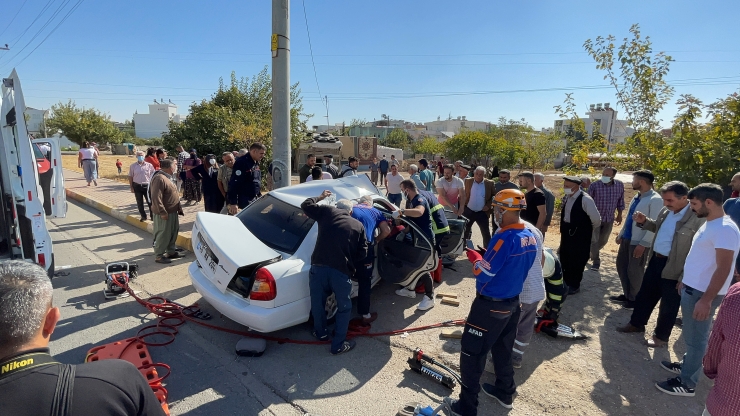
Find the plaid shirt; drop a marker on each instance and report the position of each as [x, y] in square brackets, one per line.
[607, 198]
[181, 159]
[722, 361]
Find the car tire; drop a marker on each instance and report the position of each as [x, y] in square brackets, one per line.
[330, 310]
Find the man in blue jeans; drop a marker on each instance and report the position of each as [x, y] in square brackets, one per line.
[340, 244]
[707, 275]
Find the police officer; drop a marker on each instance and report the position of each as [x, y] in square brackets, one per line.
[32, 382]
[246, 179]
[492, 321]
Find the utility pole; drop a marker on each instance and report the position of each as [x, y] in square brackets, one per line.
[280, 47]
[326, 101]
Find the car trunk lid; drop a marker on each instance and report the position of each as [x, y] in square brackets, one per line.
[224, 247]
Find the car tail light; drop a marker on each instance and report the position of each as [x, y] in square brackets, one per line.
[264, 287]
[42, 260]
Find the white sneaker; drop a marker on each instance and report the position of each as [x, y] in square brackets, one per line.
[425, 304]
[406, 293]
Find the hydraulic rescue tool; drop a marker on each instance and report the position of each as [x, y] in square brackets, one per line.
[423, 364]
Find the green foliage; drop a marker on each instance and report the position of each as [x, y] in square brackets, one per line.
[427, 145]
[398, 139]
[641, 88]
[539, 150]
[81, 125]
[237, 115]
[697, 153]
[500, 146]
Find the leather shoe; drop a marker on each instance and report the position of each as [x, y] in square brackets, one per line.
[174, 255]
[629, 328]
[618, 299]
[655, 343]
[371, 319]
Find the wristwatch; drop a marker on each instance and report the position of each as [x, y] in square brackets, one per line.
[402, 211]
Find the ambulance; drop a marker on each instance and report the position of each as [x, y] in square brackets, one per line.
[24, 167]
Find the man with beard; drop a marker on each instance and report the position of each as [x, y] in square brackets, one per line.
[578, 218]
[634, 242]
[706, 278]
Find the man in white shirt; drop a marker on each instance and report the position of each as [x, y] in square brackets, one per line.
[393, 186]
[139, 175]
[451, 190]
[318, 174]
[707, 274]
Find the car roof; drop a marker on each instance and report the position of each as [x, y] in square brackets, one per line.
[351, 187]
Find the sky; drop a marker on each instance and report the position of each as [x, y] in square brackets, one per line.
[412, 60]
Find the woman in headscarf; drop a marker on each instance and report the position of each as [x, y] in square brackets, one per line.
[87, 159]
[207, 173]
[151, 157]
[192, 184]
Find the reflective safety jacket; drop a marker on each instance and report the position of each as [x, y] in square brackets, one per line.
[439, 220]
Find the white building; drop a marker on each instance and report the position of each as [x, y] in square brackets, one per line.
[456, 125]
[156, 122]
[604, 119]
[35, 121]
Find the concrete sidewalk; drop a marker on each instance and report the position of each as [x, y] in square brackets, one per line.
[115, 199]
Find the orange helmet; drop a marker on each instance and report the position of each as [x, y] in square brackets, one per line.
[510, 200]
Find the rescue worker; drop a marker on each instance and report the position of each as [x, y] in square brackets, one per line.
[372, 219]
[556, 290]
[493, 318]
[420, 215]
[246, 179]
[440, 228]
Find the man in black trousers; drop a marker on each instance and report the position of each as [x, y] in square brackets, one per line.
[578, 218]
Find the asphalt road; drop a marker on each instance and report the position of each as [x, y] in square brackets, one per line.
[207, 377]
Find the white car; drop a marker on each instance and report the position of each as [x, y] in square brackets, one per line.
[253, 267]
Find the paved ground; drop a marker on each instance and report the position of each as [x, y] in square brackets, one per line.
[609, 374]
[117, 194]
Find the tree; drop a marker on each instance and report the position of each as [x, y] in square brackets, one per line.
[83, 125]
[579, 144]
[499, 146]
[428, 145]
[397, 138]
[237, 115]
[641, 88]
[539, 150]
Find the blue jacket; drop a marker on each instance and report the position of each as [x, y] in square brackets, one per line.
[505, 266]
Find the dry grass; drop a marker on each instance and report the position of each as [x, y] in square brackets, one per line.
[106, 168]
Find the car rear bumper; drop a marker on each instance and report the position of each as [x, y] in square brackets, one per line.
[238, 309]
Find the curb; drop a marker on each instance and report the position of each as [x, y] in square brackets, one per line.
[182, 240]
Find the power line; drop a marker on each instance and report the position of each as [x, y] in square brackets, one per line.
[315, 75]
[14, 16]
[43, 27]
[64, 19]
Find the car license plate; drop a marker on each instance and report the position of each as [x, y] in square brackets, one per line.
[209, 258]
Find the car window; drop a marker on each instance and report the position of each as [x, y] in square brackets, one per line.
[37, 152]
[279, 225]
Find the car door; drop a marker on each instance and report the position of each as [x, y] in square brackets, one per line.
[56, 196]
[403, 262]
[452, 243]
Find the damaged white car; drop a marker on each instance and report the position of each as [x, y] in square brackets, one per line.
[253, 267]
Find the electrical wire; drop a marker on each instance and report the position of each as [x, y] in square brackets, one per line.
[310, 48]
[14, 16]
[64, 19]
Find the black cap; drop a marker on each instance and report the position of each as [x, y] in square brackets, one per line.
[574, 179]
[329, 156]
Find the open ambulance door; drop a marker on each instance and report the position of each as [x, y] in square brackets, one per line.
[57, 199]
